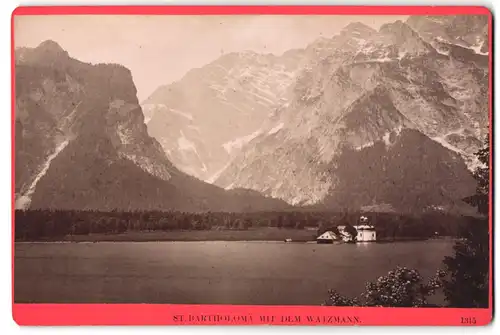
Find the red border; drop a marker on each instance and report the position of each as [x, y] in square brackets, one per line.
[145, 314]
[247, 10]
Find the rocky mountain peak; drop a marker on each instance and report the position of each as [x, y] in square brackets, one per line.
[469, 31]
[399, 32]
[47, 52]
[398, 27]
[82, 143]
[406, 40]
[368, 100]
[357, 29]
[50, 46]
[212, 111]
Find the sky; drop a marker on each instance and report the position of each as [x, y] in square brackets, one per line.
[161, 49]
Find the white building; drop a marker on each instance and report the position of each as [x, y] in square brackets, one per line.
[366, 233]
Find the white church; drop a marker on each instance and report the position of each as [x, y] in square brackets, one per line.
[365, 233]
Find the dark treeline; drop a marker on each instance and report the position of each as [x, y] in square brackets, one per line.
[35, 225]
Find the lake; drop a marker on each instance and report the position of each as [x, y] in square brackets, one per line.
[257, 273]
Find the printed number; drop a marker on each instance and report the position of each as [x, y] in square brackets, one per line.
[468, 321]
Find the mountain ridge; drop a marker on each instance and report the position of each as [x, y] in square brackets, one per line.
[82, 143]
[409, 69]
[269, 131]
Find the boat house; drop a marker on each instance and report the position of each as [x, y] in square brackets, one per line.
[326, 237]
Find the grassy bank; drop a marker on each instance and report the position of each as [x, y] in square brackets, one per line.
[252, 234]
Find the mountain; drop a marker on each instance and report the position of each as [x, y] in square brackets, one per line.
[469, 31]
[207, 116]
[81, 143]
[374, 117]
[387, 173]
[386, 118]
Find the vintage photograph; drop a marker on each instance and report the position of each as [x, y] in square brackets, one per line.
[315, 160]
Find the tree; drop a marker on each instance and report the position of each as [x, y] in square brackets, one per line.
[248, 223]
[280, 221]
[482, 173]
[336, 231]
[468, 269]
[349, 229]
[196, 225]
[243, 225]
[321, 228]
[482, 176]
[401, 287]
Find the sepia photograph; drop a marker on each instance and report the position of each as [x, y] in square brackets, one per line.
[267, 160]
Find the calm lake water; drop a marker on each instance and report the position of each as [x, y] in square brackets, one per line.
[262, 273]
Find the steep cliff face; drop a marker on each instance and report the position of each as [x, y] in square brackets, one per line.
[46, 99]
[470, 31]
[81, 142]
[70, 113]
[377, 87]
[207, 116]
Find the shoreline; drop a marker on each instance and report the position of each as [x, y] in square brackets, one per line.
[191, 241]
[89, 239]
[250, 235]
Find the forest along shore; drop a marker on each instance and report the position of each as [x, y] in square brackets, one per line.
[256, 234]
[270, 234]
[88, 226]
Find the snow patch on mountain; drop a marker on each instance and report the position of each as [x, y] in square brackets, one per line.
[276, 129]
[67, 121]
[239, 142]
[216, 175]
[185, 144]
[469, 158]
[386, 138]
[477, 49]
[150, 109]
[441, 140]
[381, 60]
[261, 97]
[24, 201]
[178, 112]
[148, 165]
[227, 100]
[443, 52]
[366, 145]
